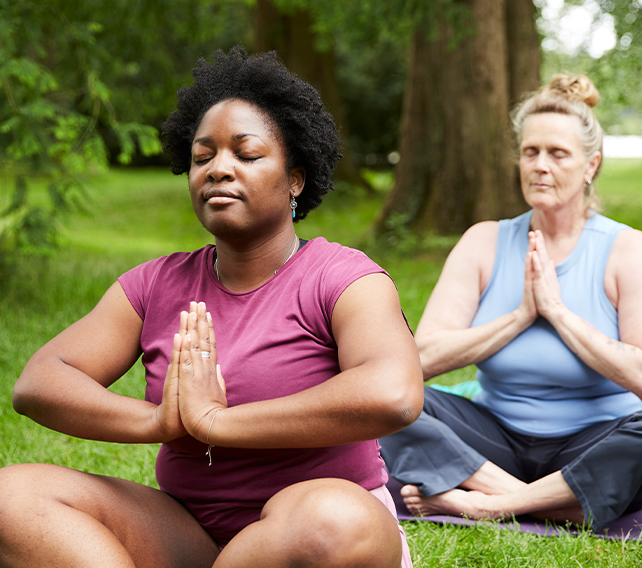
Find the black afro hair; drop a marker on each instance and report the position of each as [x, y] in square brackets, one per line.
[306, 128]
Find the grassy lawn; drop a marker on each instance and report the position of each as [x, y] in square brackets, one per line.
[136, 215]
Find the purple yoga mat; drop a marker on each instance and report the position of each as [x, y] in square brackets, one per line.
[627, 527]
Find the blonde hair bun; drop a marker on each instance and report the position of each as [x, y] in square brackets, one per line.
[574, 87]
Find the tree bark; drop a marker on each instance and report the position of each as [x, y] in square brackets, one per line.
[292, 37]
[456, 164]
[523, 49]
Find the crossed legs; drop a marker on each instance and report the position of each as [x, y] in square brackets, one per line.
[493, 493]
[444, 474]
[57, 517]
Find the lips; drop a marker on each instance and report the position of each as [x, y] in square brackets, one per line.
[217, 196]
[541, 185]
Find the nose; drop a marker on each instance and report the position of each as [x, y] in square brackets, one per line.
[221, 167]
[541, 162]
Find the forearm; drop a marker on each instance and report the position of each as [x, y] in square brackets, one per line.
[445, 350]
[618, 361]
[64, 399]
[359, 404]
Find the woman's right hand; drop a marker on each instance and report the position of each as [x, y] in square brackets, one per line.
[527, 311]
[168, 415]
[202, 390]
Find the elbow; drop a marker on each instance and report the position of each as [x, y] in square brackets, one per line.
[405, 406]
[404, 415]
[21, 398]
[25, 395]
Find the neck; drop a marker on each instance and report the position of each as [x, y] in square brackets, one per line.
[245, 268]
[561, 230]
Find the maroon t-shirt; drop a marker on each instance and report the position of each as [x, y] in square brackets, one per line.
[273, 341]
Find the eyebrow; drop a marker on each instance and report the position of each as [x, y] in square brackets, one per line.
[236, 137]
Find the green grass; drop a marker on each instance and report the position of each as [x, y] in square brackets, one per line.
[135, 215]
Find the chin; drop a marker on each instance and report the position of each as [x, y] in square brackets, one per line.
[541, 201]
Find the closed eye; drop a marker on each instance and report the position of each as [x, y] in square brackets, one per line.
[247, 158]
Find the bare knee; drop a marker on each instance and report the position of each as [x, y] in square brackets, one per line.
[336, 523]
[18, 490]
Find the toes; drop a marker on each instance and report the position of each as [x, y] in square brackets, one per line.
[411, 491]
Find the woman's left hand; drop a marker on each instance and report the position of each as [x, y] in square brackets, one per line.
[546, 288]
[201, 385]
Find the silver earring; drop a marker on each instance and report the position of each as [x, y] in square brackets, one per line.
[293, 205]
[587, 187]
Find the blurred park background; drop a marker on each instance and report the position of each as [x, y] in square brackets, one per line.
[421, 91]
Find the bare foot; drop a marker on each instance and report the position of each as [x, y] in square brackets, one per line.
[453, 502]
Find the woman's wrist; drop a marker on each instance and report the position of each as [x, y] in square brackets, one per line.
[209, 430]
[524, 317]
[554, 312]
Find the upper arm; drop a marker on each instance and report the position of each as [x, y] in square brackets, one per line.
[455, 299]
[622, 283]
[369, 327]
[104, 344]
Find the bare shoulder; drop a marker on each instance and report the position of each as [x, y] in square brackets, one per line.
[455, 298]
[624, 268]
[475, 251]
[481, 235]
[628, 242]
[622, 284]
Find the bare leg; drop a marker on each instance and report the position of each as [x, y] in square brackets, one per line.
[57, 517]
[324, 523]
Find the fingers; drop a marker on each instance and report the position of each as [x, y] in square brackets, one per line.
[536, 266]
[172, 369]
[540, 247]
[198, 343]
[531, 241]
[183, 324]
[212, 337]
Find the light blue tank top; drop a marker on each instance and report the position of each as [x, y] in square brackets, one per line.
[535, 384]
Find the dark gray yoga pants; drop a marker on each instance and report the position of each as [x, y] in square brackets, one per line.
[453, 437]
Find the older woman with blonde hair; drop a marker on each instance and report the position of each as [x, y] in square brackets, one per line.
[549, 307]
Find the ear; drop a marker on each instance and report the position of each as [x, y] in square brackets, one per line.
[297, 181]
[594, 163]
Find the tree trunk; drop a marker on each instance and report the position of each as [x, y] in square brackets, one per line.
[292, 37]
[456, 164]
[523, 49]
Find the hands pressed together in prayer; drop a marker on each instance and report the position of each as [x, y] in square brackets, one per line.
[541, 288]
[194, 388]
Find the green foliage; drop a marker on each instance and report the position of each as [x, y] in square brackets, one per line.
[617, 74]
[53, 103]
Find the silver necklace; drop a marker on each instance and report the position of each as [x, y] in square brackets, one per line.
[296, 246]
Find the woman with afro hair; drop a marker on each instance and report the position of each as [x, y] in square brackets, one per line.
[272, 365]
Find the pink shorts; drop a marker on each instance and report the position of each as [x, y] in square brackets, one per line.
[384, 496]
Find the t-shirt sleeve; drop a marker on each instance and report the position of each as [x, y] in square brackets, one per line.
[343, 269]
[139, 282]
